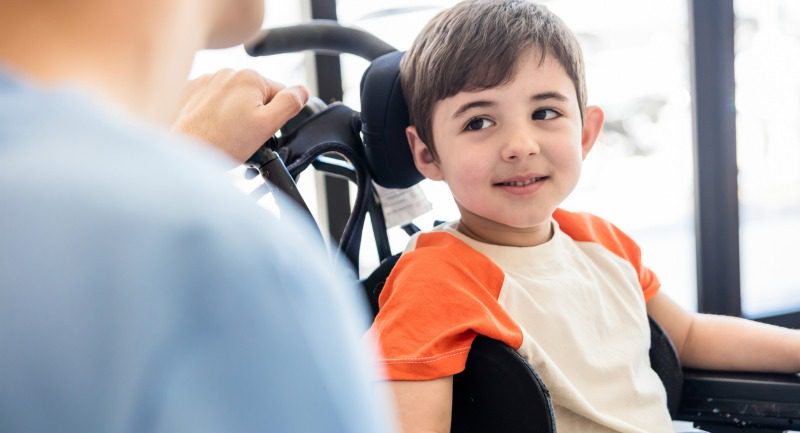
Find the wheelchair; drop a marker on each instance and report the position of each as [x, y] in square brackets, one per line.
[498, 391]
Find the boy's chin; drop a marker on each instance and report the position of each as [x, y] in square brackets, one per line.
[528, 222]
[509, 220]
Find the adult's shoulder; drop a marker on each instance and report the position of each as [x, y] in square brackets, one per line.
[70, 156]
[97, 188]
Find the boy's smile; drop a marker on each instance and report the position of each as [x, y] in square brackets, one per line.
[522, 184]
[512, 153]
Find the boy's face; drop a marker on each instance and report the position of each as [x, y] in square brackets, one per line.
[511, 154]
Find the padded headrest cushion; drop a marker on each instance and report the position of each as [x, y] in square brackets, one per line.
[384, 118]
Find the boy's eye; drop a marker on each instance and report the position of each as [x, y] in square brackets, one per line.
[478, 123]
[545, 114]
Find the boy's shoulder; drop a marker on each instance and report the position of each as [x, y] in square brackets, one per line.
[440, 260]
[441, 251]
[586, 227]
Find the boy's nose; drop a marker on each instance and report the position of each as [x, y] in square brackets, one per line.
[519, 145]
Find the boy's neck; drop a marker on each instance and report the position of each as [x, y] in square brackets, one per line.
[124, 52]
[507, 236]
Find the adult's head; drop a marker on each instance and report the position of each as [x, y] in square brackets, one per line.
[135, 54]
[231, 22]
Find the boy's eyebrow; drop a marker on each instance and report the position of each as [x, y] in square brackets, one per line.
[549, 95]
[473, 104]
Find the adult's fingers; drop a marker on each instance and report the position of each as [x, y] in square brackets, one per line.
[284, 105]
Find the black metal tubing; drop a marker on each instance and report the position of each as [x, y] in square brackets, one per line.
[345, 170]
[716, 201]
[378, 223]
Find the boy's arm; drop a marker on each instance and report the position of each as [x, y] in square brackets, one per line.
[424, 406]
[714, 342]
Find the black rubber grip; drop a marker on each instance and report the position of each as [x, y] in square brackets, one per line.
[321, 36]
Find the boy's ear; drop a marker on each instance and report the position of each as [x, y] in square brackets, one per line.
[592, 125]
[424, 160]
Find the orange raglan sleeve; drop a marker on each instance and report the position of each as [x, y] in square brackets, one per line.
[584, 227]
[437, 299]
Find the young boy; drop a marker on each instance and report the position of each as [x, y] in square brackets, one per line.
[498, 106]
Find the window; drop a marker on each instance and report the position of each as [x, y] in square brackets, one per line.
[767, 71]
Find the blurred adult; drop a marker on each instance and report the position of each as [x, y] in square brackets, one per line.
[138, 290]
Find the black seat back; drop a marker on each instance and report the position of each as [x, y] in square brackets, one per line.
[498, 391]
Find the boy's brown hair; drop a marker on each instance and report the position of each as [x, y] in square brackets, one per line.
[476, 45]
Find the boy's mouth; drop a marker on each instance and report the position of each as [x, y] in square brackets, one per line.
[521, 182]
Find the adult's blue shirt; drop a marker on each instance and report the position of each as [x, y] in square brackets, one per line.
[140, 292]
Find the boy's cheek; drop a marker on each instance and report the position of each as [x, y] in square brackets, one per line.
[467, 179]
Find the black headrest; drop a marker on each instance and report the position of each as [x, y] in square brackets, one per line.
[384, 117]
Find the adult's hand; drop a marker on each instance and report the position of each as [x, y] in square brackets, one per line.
[237, 111]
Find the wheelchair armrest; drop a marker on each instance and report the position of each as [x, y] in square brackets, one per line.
[720, 401]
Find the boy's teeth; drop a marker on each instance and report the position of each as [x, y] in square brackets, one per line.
[521, 182]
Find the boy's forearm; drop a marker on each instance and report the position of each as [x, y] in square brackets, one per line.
[729, 343]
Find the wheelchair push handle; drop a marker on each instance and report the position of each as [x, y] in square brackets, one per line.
[321, 36]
